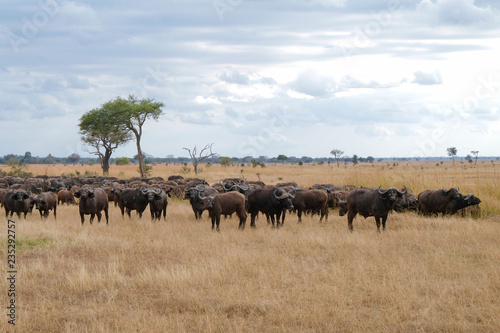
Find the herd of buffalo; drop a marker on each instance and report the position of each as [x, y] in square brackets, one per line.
[229, 196]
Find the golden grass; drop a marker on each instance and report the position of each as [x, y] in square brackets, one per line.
[421, 274]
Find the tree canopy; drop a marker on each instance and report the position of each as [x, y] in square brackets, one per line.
[130, 115]
[100, 131]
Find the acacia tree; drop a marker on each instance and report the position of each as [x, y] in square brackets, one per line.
[131, 114]
[337, 154]
[282, 158]
[205, 153]
[475, 153]
[452, 152]
[100, 131]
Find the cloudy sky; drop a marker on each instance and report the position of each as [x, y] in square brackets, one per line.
[256, 77]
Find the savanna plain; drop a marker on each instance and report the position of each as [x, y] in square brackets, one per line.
[177, 275]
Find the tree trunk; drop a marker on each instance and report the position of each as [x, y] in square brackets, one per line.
[195, 165]
[105, 162]
[139, 153]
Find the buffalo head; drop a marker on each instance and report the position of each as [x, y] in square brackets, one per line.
[391, 193]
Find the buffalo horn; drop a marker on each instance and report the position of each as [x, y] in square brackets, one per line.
[283, 196]
[382, 192]
[404, 191]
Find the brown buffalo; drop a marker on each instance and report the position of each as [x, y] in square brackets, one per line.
[45, 202]
[311, 200]
[225, 204]
[92, 202]
[65, 197]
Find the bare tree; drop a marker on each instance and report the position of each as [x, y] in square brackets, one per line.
[337, 154]
[204, 154]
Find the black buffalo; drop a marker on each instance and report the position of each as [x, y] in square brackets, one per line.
[436, 201]
[92, 202]
[137, 199]
[407, 202]
[158, 204]
[17, 202]
[461, 202]
[270, 201]
[444, 201]
[371, 202]
[195, 193]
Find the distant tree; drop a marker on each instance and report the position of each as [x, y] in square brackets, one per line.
[225, 160]
[337, 154]
[468, 158]
[131, 114]
[8, 157]
[475, 153]
[27, 157]
[354, 159]
[196, 158]
[50, 159]
[282, 158]
[370, 159]
[122, 161]
[452, 152]
[306, 159]
[102, 133]
[73, 158]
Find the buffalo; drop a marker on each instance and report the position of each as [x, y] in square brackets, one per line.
[92, 202]
[436, 201]
[461, 202]
[270, 201]
[45, 202]
[195, 192]
[225, 204]
[311, 200]
[65, 197]
[407, 202]
[137, 199]
[17, 202]
[371, 202]
[159, 202]
[444, 201]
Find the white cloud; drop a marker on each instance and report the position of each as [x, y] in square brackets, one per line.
[424, 78]
[268, 65]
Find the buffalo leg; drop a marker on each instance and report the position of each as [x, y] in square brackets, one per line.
[106, 214]
[92, 215]
[384, 218]
[217, 220]
[377, 220]
[252, 220]
[55, 211]
[99, 215]
[350, 217]
[272, 218]
[82, 217]
[324, 213]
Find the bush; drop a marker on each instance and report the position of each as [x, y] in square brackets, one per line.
[123, 161]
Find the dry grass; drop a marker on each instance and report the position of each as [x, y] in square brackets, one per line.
[422, 274]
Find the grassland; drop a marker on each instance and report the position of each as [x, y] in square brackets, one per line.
[421, 274]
